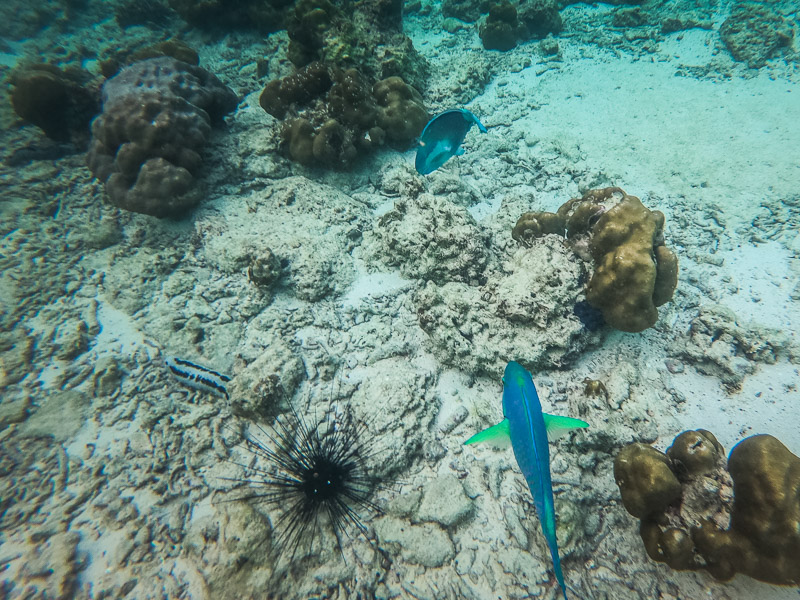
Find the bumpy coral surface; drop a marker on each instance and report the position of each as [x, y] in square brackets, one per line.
[212, 14]
[367, 36]
[518, 313]
[157, 116]
[333, 116]
[699, 513]
[501, 29]
[634, 272]
[506, 23]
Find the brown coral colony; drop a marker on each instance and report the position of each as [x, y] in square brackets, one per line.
[634, 271]
[157, 114]
[699, 513]
[331, 116]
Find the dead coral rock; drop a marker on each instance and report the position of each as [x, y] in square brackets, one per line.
[61, 102]
[743, 517]
[755, 32]
[157, 116]
[518, 314]
[430, 238]
[720, 346]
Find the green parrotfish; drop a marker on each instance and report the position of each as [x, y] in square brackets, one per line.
[528, 428]
[442, 138]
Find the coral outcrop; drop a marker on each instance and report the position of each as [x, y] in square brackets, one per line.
[634, 271]
[366, 36]
[697, 512]
[333, 116]
[61, 102]
[502, 28]
[157, 116]
[507, 24]
[266, 16]
[755, 32]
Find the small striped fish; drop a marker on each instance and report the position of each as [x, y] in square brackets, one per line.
[198, 377]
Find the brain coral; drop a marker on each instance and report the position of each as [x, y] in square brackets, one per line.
[157, 115]
[699, 513]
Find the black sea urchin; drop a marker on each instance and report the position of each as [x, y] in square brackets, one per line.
[314, 474]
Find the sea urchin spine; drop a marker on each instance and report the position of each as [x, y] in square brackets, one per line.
[313, 473]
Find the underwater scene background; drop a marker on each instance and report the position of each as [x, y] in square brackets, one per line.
[243, 337]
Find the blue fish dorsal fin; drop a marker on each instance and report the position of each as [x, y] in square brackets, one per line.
[558, 426]
[496, 434]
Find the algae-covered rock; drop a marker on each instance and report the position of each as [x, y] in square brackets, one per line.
[755, 32]
[739, 517]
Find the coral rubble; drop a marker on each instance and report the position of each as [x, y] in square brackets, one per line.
[699, 513]
[157, 116]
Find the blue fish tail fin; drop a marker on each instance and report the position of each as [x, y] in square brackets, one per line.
[558, 426]
[497, 434]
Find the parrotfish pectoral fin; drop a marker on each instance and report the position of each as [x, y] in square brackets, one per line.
[558, 426]
[496, 434]
[460, 151]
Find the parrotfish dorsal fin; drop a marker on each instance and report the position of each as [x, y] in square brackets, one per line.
[558, 426]
[496, 434]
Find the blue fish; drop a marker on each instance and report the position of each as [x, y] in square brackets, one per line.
[442, 138]
[528, 428]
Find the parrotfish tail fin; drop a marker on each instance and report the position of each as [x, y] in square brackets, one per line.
[559, 575]
[496, 434]
[558, 426]
[469, 116]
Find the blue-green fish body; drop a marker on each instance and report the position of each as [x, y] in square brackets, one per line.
[528, 427]
[442, 138]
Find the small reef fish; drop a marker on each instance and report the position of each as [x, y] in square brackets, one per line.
[442, 138]
[198, 377]
[528, 428]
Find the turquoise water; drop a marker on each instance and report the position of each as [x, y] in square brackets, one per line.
[202, 285]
